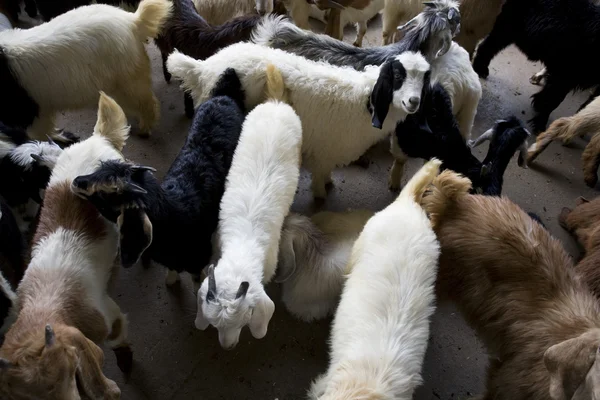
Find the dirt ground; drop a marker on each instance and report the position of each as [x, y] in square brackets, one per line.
[175, 361]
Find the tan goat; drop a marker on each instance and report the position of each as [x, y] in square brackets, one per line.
[64, 311]
[516, 285]
[586, 121]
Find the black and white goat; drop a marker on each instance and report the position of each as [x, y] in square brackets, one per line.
[174, 221]
[25, 167]
[559, 33]
[433, 132]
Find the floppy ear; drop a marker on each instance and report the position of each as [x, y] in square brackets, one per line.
[446, 43]
[135, 235]
[263, 311]
[287, 263]
[590, 389]
[382, 95]
[89, 369]
[201, 322]
[111, 122]
[569, 363]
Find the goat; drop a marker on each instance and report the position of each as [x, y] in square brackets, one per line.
[12, 264]
[518, 289]
[429, 33]
[258, 194]
[434, 132]
[586, 121]
[52, 67]
[381, 327]
[189, 33]
[583, 222]
[64, 310]
[532, 26]
[450, 64]
[25, 167]
[217, 12]
[343, 111]
[477, 19]
[313, 253]
[178, 217]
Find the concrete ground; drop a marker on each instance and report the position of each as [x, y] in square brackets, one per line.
[175, 361]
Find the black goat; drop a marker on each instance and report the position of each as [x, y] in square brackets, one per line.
[433, 132]
[183, 211]
[12, 262]
[562, 34]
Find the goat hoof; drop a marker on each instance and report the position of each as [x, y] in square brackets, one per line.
[482, 70]
[536, 79]
[362, 162]
[124, 356]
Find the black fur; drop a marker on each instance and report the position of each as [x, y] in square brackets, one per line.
[189, 33]
[50, 9]
[537, 219]
[17, 108]
[562, 34]
[433, 132]
[184, 209]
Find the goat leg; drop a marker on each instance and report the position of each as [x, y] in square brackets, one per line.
[188, 104]
[499, 38]
[166, 72]
[546, 100]
[594, 94]
[591, 161]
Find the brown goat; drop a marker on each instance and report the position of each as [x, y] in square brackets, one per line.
[586, 121]
[189, 33]
[516, 285]
[584, 222]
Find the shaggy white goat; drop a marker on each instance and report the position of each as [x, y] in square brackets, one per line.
[217, 12]
[381, 327]
[313, 254]
[343, 111]
[64, 310]
[258, 194]
[63, 64]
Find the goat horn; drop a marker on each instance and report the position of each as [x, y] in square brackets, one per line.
[50, 337]
[212, 283]
[143, 168]
[431, 4]
[4, 363]
[132, 187]
[242, 290]
[51, 141]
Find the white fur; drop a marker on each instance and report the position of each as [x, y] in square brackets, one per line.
[330, 100]
[4, 23]
[455, 73]
[65, 62]
[258, 194]
[313, 254]
[381, 327]
[48, 152]
[6, 289]
[217, 12]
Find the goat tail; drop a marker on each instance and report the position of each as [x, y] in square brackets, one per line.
[151, 15]
[420, 181]
[184, 68]
[559, 129]
[447, 187]
[275, 87]
[268, 29]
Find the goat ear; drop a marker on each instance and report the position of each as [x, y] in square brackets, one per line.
[111, 122]
[263, 311]
[135, 235]
[201, 322]
[446, 43]
[382, 95]
[89, 368]
[287, 263]
[570, 362]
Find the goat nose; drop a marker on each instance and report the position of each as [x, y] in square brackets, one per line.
[262, 12]
[414, 101]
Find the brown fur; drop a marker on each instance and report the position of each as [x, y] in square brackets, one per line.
[74, 213]
[477, 18]
[516, 285]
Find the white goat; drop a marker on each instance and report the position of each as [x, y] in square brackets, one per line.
[381, 327]
[258, 194]
[313, 254]
[332, 102]
[217, 12]
[63, 64]
[64, 311]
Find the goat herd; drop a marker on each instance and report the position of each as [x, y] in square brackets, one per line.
[266, 96]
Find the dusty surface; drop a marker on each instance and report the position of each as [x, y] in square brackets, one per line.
[173, 360]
